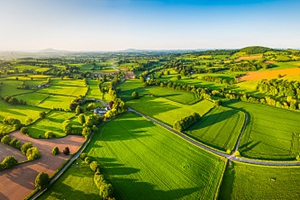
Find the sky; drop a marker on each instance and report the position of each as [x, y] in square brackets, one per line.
[109, 25]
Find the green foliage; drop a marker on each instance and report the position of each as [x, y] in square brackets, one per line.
[24, 130]
[94, 166]
[15, 143]
[255, 49]
[33, 153]
[106, 191]
[6, 139]
[135, 95]
[42, 181]
[49, 135]
[82, 156]
[186, 122]
[25, 147]
[81, 119]
[87, 160]
[78, 110]
[43, 114]
[55, 151]
[66, 151]
[86, 132]
[8, 162]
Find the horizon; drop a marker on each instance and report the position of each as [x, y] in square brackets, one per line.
[155, 25]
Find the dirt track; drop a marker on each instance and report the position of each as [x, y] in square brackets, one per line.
[18, 182]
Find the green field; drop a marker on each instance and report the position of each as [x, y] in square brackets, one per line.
[75, 91]
[94, 91]
[219, 128]
[168, 111]
[56, 101]
[52, 123]
[271, 133]
[9, 87]
[174, 95]
[139, 159]
[32, 98]
[76, 183]
[245, 181]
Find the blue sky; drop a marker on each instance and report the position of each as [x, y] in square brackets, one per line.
[91, 25]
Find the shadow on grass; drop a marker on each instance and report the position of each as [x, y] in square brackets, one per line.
[227, 185]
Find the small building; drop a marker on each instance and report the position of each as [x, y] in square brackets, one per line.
[99, 111]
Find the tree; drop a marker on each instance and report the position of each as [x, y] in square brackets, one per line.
[178, 77]
[49, 135]
[81, 119]
[94, 166]
[66, 151]
[33, 153]
[86, 131]
[78, 110]
[43, 115]
[9, 162]
[135, 95]
[15, 143]
[25, 147]
[42, 181]
[55, 151]
[106, 191]
[6, 139]
[24, 130]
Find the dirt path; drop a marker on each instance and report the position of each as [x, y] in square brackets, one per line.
[18, 182]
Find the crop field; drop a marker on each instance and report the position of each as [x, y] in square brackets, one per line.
[32, 98]
[219, 128]
[19, 112]
[252, 57]
[76, 183]
[52, 123]
[168, 111]
[137, 154]
[94, 91]
[56, 101]
[245, 181]
[285, 73]
[174, 95]
[65, 90]
[271, 133]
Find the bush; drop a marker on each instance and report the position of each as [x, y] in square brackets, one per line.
[82, 156]
[135, 95]
[49, 135]
[81, 119]
[25, 147]
[87, 160]
[15, 143]
[55, 151]
[66, 151]
[9, 162]
[99, 180]
[33, 153]
[24, 130]
[86, 132]
[94, 166]
[6, 139]
[42, 181]
[106, 191]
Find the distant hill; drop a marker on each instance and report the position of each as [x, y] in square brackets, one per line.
[255, 49]
[51, 50]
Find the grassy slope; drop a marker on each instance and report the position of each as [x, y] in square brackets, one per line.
[219, 128]
[55, 101]
[139, 159]
[32, 98]
[168, 111]
[244, 181]
[271, 132]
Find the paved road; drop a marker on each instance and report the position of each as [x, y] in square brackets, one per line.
[230, 157]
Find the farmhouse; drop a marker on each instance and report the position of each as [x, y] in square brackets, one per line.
[99, 111]
[43, 86]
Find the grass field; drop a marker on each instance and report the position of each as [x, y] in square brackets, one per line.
[20, 112]
[245, 181]
[271, 133]
[94, 91]
[52, 123]
[168, 111]
[76, 183]
[219, 128]
[32, 98]
[65, 90]
[56, 101]
[139, 159]
[9, 87]
[174, 95]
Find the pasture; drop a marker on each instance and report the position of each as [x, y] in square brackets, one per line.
[271, 132]
[32, 99]
[9, 87]
[135, 153]
[219, 128]
[52, 122]
[94, 91]
[168, 111]
[74, 91]
[56, 101]
[245, 181]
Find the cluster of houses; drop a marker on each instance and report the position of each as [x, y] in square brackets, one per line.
[102, 111]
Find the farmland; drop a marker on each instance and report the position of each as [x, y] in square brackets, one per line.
[219, 128]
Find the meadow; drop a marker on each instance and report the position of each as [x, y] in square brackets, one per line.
[168, 111]
[94, 91]
[55, 101]
[271, 133]
[65, 90]
[219, 128]
[138, 158]
[52, 122]
[33, 98]
[245, 181]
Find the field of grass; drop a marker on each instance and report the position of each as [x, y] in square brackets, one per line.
[65, 90]
[9, 88]
[68, 82]
[94, 91]
[52, 123]
[32, 98]
[139, 159]
[76, 183]
[174, 95]
[245, 181]
[19, 112]
[168, 111]
[56, 101]
[271, 133]
[219, 128]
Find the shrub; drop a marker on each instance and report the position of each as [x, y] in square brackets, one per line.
[49, 134]
[82, 156]
[106, 191]
[9, 162]
[24, 130]
[87, 160]
[25, 147]
[86, 132]
[135, 95]
[55, 151]
[14, 142]
[94, 166]
[33, 153]
[6, 139]
[42, 181]
[66, 151]
[81, 119]
[99, 180]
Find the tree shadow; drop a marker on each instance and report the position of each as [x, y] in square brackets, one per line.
[227, 184]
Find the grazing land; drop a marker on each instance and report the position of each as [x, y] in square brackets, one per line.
[56, 101]
[245, 181]
[219, 128]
